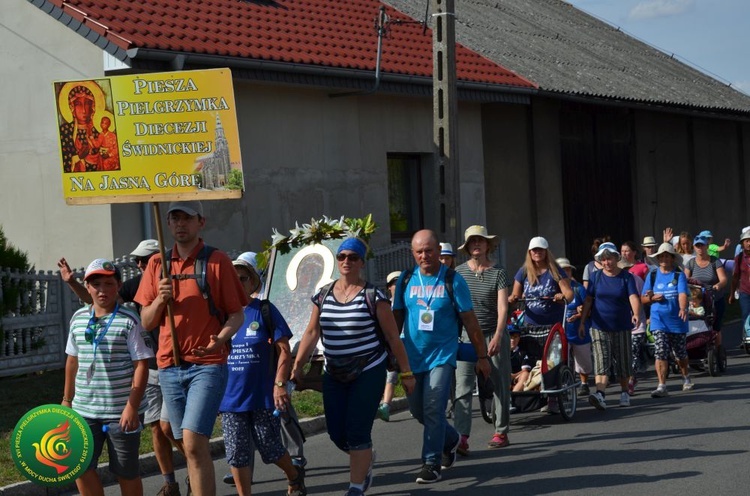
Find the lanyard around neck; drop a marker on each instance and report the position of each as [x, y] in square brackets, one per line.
[424, 290]
[97, 337]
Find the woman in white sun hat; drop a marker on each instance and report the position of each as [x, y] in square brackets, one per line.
[488, 284]
[666, 291]
[541, 277]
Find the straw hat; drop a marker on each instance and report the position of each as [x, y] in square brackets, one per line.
[649, 241]
[665, 248]
[564, 263]
[477, 231]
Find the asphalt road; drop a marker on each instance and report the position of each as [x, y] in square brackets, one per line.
[689, 443]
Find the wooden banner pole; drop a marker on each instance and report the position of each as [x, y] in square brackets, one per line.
[165, 274]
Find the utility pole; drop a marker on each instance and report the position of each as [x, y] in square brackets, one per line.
[445, 124]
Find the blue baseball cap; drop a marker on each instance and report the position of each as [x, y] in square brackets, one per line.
[700, 240]
[705, 234]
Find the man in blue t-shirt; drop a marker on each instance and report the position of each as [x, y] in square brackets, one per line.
[430, 318]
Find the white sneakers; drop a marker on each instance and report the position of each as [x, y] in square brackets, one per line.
[624, 399]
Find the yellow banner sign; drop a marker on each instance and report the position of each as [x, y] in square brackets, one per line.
[149, 137]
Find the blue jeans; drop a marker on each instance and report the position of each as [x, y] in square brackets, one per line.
[427, 404]
[193, 394]
[350, 408]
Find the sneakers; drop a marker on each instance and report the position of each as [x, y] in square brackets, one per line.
[449, 457]
[584, 390]
[632, 383]
[597, 401]
[299, 461]
[353, 491]
[367, 484]
[498, 441]
[463, 446]
[551, 407]
[624, 398]
[660, 392]
[228, 479]
[384, 412]
[169, 489]
[687, 385]
[428, 474]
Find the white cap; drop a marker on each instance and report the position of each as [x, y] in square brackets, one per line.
[145, 248]
[100, 266]
[392, 276]
[538, 242]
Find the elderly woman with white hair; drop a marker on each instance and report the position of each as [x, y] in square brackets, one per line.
[613, 304]
[666, 290]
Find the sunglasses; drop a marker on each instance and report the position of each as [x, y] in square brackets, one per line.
[244, 278]
[353, 257]
[142, 260]
[91, 329]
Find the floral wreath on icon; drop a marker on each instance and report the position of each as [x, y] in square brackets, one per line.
[315, 232]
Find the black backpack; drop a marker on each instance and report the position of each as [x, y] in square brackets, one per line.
[199, 274]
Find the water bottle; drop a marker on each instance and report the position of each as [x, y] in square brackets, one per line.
[290, 386]
[114, 428]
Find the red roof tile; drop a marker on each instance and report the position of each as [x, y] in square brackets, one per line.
[332, 33]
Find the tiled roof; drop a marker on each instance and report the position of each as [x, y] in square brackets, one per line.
[325, 33]
[565, 50]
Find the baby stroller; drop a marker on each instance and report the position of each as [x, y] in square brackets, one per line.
[703, 352]
[548, 346]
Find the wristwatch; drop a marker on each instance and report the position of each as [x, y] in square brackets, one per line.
[280, 384]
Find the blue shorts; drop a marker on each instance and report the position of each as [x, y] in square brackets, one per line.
[122, 448]
[193, 394]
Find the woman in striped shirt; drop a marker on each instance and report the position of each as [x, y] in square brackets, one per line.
[355, 322]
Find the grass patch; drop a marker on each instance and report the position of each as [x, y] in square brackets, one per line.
[47, 388]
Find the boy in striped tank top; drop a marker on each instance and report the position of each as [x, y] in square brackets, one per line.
[105, 377]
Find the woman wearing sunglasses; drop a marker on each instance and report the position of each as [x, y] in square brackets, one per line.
[355, 322]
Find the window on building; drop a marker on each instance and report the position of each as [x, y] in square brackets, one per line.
[405, 194]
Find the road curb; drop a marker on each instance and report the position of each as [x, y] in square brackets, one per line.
[310, 426]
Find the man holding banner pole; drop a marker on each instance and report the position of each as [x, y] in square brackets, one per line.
[207, 300]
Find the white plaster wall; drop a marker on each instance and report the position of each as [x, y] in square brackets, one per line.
[36, 50]
[307, 155]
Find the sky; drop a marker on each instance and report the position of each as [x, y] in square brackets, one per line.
[711, 35]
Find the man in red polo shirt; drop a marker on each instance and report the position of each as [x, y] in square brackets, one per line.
[194, 389]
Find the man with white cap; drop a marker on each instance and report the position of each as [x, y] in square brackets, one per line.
[207, 306]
